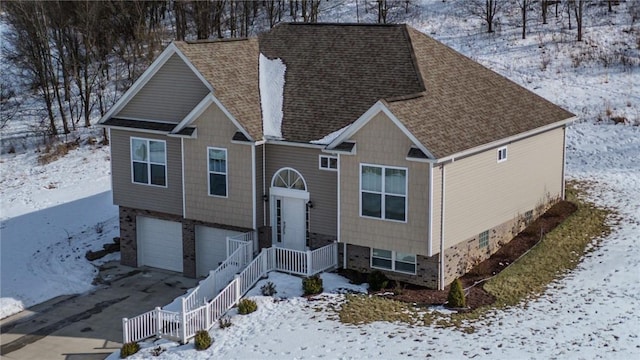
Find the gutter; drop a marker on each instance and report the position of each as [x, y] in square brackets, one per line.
[505, 141]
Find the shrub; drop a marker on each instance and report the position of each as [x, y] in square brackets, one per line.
[268, 289]
[128, 349]
[377, 281]
[202, 340]
[247, 306]
[312, 285]
[456, 297]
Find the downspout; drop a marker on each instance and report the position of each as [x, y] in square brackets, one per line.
[254, 195]
[264, 189]
[564, 159]
[442, 195]
[344, 247]
[430, 213]
[184, 195]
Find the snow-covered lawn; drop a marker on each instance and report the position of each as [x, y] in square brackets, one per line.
[49, 215]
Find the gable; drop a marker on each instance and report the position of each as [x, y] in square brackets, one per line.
[169, 95]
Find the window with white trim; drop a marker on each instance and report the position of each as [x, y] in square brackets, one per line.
[393, 260]
[217, 163]
[149, 161]
[502, 154]
[483, 239]
[383, 192]
[328, 162]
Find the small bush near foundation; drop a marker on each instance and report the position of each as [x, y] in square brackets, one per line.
[456, 297]
[377, 281]
[312, 285]
[268, 289]
[247, 306]
[129, 349]
[202, 340]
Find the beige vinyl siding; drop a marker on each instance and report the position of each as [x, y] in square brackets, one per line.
[381, 142]
[140, 196]
[169, 96]
[321, 184]
[216, 130]
[260, 189]
[481, 193]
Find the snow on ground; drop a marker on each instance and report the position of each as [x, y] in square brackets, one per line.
[593, 313]
[49, 215]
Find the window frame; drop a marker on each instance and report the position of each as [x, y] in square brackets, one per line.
[226, 173]
[393, 260]
[483, 239]
[502, 154]
[383, 193]
[328, 158]
[148, 161]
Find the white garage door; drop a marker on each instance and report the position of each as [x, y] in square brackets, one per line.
[211, 248]
[159, 243]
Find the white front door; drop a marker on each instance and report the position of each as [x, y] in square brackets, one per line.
[289, 225]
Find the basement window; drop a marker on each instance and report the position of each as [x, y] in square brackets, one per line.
[393, 260]
[483, 239]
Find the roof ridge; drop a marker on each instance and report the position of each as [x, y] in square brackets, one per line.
[210, 41]
[340, 24]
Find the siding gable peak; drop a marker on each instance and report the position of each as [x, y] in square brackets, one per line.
[201, 108]
[366, 117]
[147, 75]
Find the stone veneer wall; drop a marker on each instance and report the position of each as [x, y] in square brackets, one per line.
[459, 259]
[129, 244]
[359, 259]
[462, 257]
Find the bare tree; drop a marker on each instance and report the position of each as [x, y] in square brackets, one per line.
[578, 9]
[524, 6]
[486, 10]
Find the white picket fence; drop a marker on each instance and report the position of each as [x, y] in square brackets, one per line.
[200, 313]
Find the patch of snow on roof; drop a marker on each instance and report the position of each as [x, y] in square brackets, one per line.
[271, 96]
[329, 138]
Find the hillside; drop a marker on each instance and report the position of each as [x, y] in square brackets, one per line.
[589, 314]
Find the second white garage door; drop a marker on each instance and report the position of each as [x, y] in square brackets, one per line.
[159, 243]
[211, 248]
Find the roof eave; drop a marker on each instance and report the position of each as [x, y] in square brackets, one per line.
[504, 141]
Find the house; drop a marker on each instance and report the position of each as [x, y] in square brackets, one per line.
[417, 160]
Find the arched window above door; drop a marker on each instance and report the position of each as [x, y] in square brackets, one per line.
[289, 178]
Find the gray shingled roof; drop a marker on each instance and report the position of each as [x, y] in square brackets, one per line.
[335, 72]
[231, 67]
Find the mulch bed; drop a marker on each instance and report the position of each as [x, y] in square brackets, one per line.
[507, 254]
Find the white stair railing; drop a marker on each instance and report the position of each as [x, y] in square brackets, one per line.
[182, 326]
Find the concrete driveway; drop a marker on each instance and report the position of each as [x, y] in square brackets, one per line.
[89, 326]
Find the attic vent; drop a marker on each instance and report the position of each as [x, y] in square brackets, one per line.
[417, 153]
